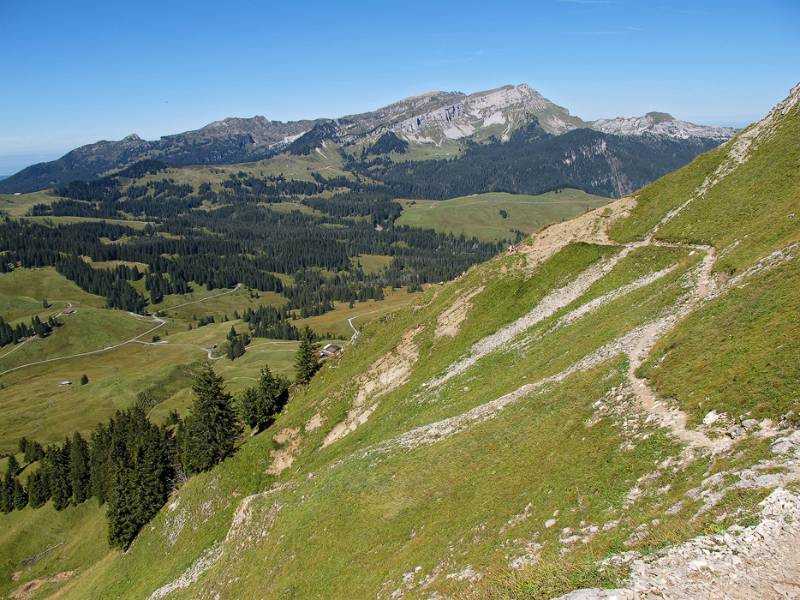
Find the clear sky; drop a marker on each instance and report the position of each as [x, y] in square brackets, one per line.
[75, 72]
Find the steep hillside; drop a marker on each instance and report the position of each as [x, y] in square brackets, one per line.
[612, 404]
[429, 120]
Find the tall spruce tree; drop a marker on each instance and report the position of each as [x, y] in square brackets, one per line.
[260, 403]
[305, 362]
[121, 513]
[56, 470]
[79, 468]
[33, 451]
[20, 498]
[7, 490]
[99, 453]
[210, 430]
[38, 490]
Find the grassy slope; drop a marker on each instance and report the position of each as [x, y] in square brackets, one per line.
[73, 537]
[22, 292]
[84, 331]
[738, 354]
[133, 224]
[290, 166]
[372, 263]
[479, 215]
[364, 516]
[216, 303]
[17, 206]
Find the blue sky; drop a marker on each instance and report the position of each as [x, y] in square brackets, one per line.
[76, 72]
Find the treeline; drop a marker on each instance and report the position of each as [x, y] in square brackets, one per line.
[158, 286]
[270, 322]
[245, 244]
[159, 188]
[21, 331]
[131, 465]
[110, 283]
[128, 463]
[314, 294]
[272, 185]
[75, 208]
[236, 343]
[378, 206]
[108, 188]
[98, 190]
[242, 242]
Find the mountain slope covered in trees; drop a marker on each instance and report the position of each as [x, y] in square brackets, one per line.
[534, 162]
[613, 387]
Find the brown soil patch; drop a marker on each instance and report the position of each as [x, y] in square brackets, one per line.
[314, 423]
[29, 589]
[449, 322]
[283, 458]
[590, 227]
[386, 374]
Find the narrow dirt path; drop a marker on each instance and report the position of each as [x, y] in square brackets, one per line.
[353, 337]
[225, 293]
[33, 337]
[161, 322]
[637, 344]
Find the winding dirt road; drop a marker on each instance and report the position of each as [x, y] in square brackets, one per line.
[160, 323]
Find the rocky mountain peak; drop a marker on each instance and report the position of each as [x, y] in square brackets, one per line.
[662, 124]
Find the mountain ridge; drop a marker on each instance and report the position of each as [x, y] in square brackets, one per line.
[435, 117]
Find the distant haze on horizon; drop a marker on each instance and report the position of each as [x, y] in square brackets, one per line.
[96, 72]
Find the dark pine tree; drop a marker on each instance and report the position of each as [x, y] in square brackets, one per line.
[260, 403]
[305, 362]
[38, 489]
[56, 471]
[99, 454]
[79, 468]
[33, 451]
[140, 473]
[210, 430]
[20, 499]
[7, 491]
